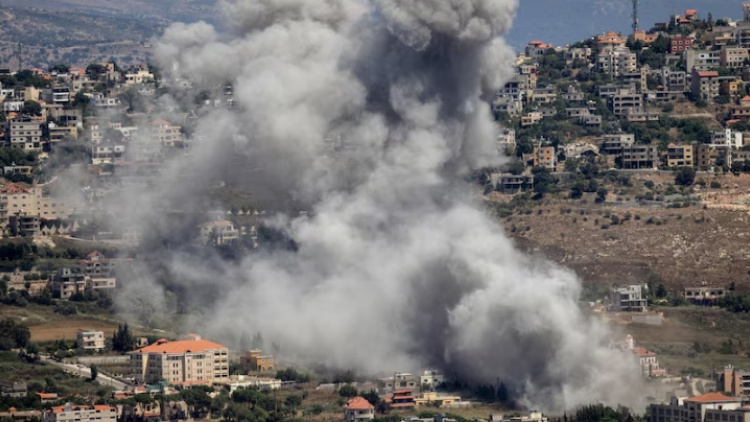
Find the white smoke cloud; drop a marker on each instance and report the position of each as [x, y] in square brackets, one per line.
[396, 267]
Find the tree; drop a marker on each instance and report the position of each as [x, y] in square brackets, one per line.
[516, 167]
[684, 176]
[257, 342]
[601, 194]
[576, 192]
[348, 391]
[122, 340]
[31, 108]
[94, 372]
[371, 396]
[660, 45]
[661, 291]
[59, 68]
[17, 335]
[502, 393]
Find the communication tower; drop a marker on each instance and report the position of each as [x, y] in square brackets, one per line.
[20, 56]
[635, 16]
[746, 10]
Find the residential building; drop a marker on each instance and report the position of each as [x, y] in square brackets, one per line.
[572, 95]
[641, 114]
[34, 202]
[679, 155]
[640, 157]
[544, 95]
[16, 390]
[705, 85]
[235, 382]
[90, 340]
[58, 94]
[614, 144]
[708, 156]
[734, 381]
[81, 413]
[533, 416]
[577, 53]
[181, 362]
[697, 409]
[678, 44]
[644, 37]
[537, 49]
[106, 103]
[25, 134]
[24, 224]
[431, 379]
[432, 398]
[140, 76]
[61, 133]
[733, 57]
[166, 133]
[728, 138]
[673, 80]
[258, 361]
[544, 157]
[742, 36]
[531, 118]
[109, 153]
[219, 232]
[611, 39]
[511, 183]
[647, 363]
[616, 61]
[506, 140]
[704, 295]
[47, 397]
[358, 409]
[399, 382]
[67, 282]
[700, 60]
[401, 400]
[581, 150]
[631, 298]
[623, 101]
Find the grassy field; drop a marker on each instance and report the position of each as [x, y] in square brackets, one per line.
[685, 328]
[46, 325]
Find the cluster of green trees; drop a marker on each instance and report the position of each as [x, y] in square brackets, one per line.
[291, 374]
[13, 335]
[123, 340]
[734, 302]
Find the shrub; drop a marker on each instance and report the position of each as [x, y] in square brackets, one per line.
[715, 185]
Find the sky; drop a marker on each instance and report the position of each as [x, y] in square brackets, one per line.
[561, 22]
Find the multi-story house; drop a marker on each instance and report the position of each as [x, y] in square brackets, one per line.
[616, 61]
[511, 183]
[678, 44]
[733, 56]
[431, 379]
[708, 156]
[544, 95]
[734, 381]
[531, 118]
[95, 272]
[704, 295]
[536, 49]
[572, 95]
[166, 133]
[219, 232]
[705, 85]
[25, 134]
[640, 157]
[109, 153]
[400, 381]
[679, 155]
[81, 413]
[614, 144]
[629, 298]
[544, 157]
[34, 202]
[140, 76]
[257, 361]
[625, 100]
[181, 362]
[701, 60]
[90, 340]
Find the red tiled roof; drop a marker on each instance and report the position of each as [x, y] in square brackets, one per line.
[47, 396]
[640, 351]
[61, 409]
[745, 98]
[691, 12]
[13, 188]
[160, 123]
[95, 253]
[358, 403]
[711, 397]
[536, 42]
[708, 74]
[183, 346]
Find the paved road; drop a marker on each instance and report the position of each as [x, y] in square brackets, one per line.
[84, 372]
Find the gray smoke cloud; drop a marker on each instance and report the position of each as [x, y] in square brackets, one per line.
[367, 114]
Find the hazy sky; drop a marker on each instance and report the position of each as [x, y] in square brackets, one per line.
[563, 22]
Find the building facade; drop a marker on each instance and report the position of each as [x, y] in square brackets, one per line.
[81, 413]
[630, 298]
[181, 362]
[90, 340]
[358, 409]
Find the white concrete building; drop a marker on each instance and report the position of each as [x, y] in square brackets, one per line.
[81, 413]
[431, 378]
[90, 340]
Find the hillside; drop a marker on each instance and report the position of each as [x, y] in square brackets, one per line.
[628, 240]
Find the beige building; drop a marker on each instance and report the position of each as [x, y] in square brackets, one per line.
[90, 340]
[733, 57]
[679, 155]
[166, 133]
[181, 362]
[705, 85]
[25, 135]
[434, 399]
[81, 413]
[709, 407]
[544, 157]
[258, 361]
[616, 61]
[34, 202]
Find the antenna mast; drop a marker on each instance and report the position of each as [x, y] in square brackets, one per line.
[635, 16]
[746, 9]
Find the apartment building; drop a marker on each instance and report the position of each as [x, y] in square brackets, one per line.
[616, 61]
[81, 413]
[67, 282]
[107, 153]
[25, 135]
[640, 157]
[166, 133]
[536, 49]
[511, 183]
[545, 95]
[700, 60]
[258, 361]
[742, 35]
[624, 101]
[678, 44]
[358, 409]
[90, 340]
[708, 156]
[400, 381]
[733, 57]
[531, 118]
[705, 85]
[544, 157]
[35, 203]
[181, 362]
[734, 381]
[631, 298]
[679, 155]
[24, 224]
[613, 144]
[140, 76]
[728, 138]
[709, 407]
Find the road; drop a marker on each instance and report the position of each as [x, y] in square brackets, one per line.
[84, 372]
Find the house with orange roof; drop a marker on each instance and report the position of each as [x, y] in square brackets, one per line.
[358, 409]
[536, 49]
[611, 39]
[401, 400]
[691, 14]
[47, 397]
[679, 155]
[705, 84]
[708, 407]
[81, 413]
[180, 362]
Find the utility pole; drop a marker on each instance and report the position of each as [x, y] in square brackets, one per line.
[20, 57]
[635, 17]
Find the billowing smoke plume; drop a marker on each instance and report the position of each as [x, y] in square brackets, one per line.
[366, 113]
